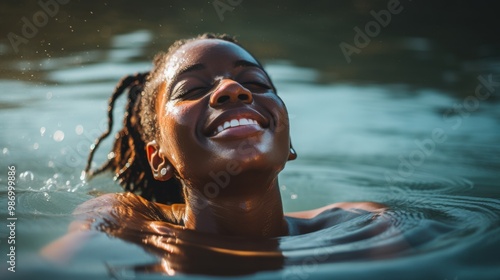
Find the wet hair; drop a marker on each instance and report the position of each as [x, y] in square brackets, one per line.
[128, 157]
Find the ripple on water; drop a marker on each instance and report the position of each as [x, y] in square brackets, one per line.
[417, 232]
[432, 183]
[446, 229]
[48, 196]
[426, 225]
[426, 218]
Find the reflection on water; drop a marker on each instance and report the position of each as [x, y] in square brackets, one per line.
[356, 142]
[427, 225]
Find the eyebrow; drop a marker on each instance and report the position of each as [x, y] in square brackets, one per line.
[246, 63]
[195, 67]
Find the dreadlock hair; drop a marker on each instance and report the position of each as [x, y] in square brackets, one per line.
[128, 157]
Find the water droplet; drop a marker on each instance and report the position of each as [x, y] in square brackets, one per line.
[79, 129]
[27, 176]
[293, 196]
[49, 187]
[36, 146]
[78, 186]
[42, 131]
[5, 151]
[83, 176]
[58, 136]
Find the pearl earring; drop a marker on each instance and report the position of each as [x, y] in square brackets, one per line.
[163, 171]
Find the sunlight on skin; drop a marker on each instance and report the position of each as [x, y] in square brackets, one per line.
[209, 84]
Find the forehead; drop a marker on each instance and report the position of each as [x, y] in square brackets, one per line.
[206, 51]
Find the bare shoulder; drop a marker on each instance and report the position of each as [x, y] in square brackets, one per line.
[128, 207]
[347, 206]
[110, 213]
[112, 202]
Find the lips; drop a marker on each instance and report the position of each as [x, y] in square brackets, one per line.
[236, 122]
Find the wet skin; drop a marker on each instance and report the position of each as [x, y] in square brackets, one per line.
[229, 173]
[209, 83]
[153, 226]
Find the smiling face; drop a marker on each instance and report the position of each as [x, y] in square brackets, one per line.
[217, 111]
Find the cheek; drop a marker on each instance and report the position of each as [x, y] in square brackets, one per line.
[277, 107]
[178, 132]
[187, 112]
[282, 129]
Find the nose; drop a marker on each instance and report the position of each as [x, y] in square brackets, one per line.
[230, 91]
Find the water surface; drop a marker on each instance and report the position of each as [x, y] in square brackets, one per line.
[363, 132]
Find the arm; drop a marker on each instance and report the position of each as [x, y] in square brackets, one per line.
[65, 248]
[114, 214]
[347, 206]
[62, 250]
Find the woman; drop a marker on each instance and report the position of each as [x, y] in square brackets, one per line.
[204, 138]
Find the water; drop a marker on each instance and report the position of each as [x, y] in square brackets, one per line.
[371, 130]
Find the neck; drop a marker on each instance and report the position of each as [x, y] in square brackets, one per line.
[250, 215]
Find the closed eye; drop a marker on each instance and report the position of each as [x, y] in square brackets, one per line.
[256, 86]
[193, 93]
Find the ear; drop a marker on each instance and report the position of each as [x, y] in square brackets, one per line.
[162, 169]
[292, 155]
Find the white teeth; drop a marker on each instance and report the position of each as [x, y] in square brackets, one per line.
[235, 123]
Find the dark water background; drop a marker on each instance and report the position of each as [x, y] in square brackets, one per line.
[402, 123]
